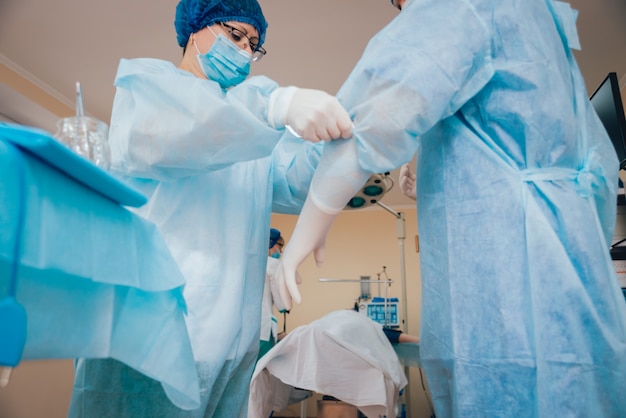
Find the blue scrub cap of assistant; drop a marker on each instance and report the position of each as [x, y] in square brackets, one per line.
[193, 15]
[274, 237]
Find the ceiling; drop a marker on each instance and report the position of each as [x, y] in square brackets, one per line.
[313, 44]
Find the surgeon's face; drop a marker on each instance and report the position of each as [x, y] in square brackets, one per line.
[243, 35]
[277, 249]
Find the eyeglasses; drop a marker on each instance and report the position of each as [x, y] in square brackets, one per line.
[238, 35]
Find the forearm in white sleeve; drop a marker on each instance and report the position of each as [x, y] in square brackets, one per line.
[336, 180]
[338, 177]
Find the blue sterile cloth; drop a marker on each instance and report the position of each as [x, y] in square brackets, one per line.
[95, 279]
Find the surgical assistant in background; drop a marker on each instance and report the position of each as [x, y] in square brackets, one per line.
[516, 181]
[271, 295]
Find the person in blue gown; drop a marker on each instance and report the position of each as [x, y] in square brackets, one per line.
[516, 184]
[210, 149]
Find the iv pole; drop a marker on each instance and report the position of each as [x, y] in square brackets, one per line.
[401, 232]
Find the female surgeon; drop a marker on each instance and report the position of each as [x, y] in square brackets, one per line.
[212, 153]
[516, 181]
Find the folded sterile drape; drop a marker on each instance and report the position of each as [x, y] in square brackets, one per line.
[95, 279]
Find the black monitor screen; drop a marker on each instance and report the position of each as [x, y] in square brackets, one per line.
[607, 102]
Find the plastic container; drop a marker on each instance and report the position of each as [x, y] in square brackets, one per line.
[87, 137]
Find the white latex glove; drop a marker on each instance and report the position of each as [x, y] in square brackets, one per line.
[275, 290]
[308, 236]
[313, 114]
[407, 181]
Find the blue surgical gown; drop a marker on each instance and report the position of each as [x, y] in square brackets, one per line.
[214, 172]
[521, 312]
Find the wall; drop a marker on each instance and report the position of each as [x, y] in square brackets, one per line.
[37, 389]
[28, 101]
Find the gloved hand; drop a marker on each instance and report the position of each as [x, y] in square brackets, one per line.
[313, 114]
[308, 236]
[407, 181]
[275, 290]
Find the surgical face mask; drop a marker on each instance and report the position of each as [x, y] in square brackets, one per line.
[275, 255]
[225, 63]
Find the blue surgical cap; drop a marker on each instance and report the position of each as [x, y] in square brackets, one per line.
[274, 236]
[193, 15]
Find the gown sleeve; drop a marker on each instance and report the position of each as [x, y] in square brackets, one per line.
[420, 69]
[167, 123]
[293, 164]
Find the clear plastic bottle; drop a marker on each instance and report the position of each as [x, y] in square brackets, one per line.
[87, 137]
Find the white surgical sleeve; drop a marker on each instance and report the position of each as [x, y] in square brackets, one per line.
[167, 123]
[418, 70]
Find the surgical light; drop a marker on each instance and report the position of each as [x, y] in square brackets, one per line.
[371, 193]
